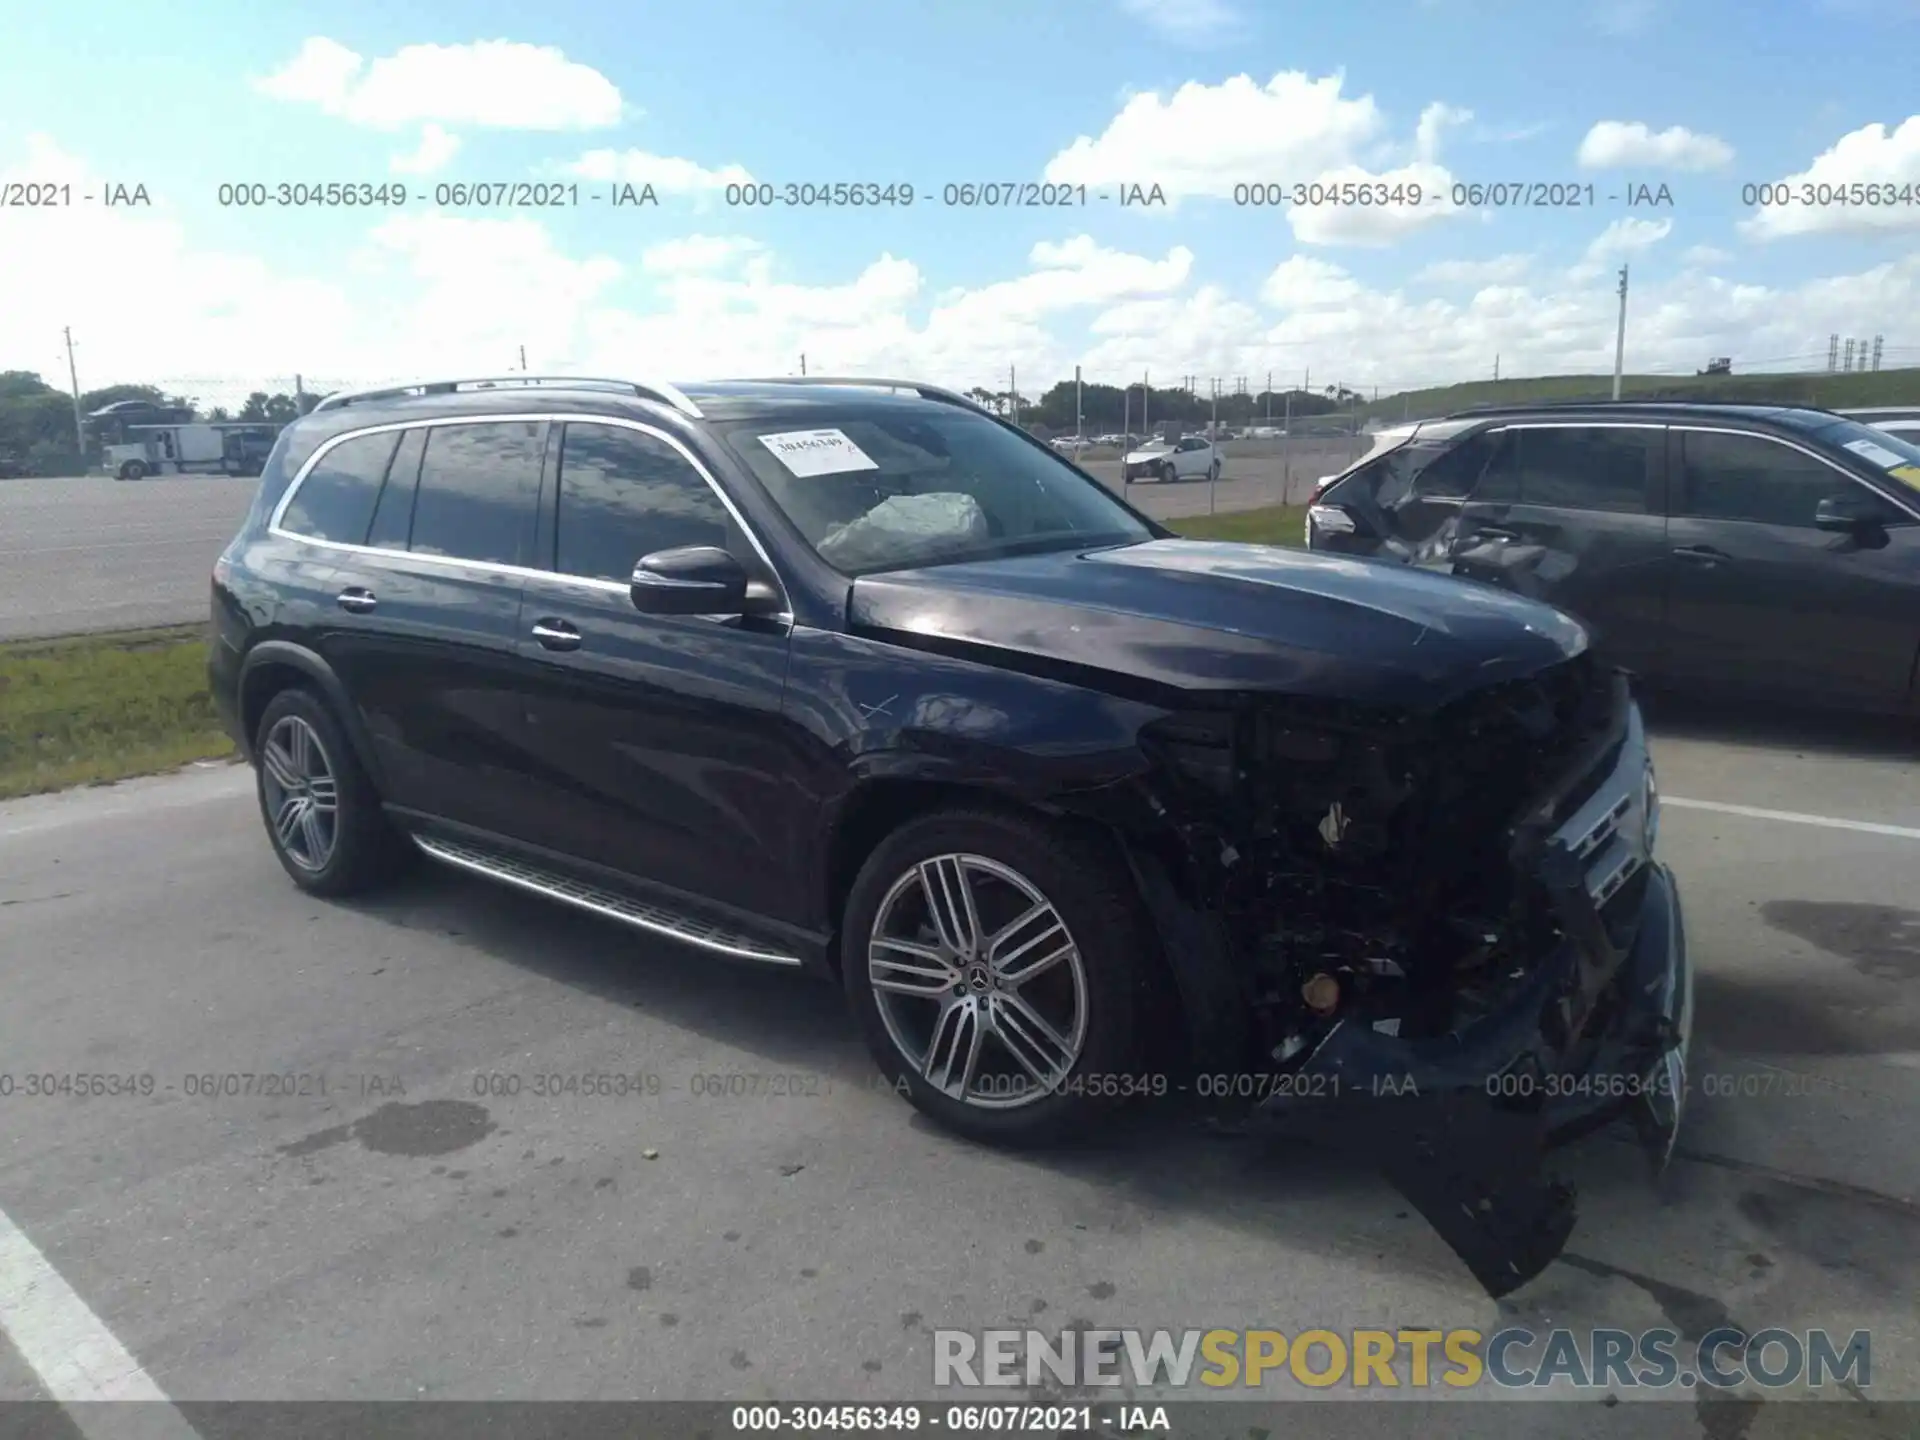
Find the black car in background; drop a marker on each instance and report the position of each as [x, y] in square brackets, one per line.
[1714, 547]
[855, 678]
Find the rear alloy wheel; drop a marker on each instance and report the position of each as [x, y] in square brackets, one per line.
[992, 962]
[322, 813]
[1168, 474]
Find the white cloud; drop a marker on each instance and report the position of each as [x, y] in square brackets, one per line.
[1870, 155]
[1205, 139]
[1616, 144]
[500, 84]
[427, 293]
[698, 254]
[1496, 270]
[667, 174]
[437, 147]
[1620, 240]
[1186, 22]
[1303, 283]
[1706, 255]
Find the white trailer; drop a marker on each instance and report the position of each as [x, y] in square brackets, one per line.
[191, 449]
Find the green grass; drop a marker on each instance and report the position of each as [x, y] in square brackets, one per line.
[1829, 392]
[97, 708]
[1275, 525]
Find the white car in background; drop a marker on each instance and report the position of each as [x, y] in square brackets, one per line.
[1192, 457]
[1901, 420]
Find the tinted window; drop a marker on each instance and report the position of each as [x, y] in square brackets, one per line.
[335, 501]
[476, 492]
[1748, 477]
[1450, 474]
[393, 516]
[1576, 467]
[624, 494]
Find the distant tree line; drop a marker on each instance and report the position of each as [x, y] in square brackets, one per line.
[36, 419]
[1112, 409]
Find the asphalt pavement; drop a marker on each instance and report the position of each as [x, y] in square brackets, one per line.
[410, 1220]
[91, 553]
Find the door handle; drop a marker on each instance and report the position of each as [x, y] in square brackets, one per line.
[356, 598]
[1703, 554]
[1488, 534]
[557, 635]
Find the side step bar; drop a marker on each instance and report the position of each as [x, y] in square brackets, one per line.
[655, 919]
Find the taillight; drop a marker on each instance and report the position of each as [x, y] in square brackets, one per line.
[221, 569]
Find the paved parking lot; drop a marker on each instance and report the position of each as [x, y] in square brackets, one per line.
[91, 553]
[414, 1232]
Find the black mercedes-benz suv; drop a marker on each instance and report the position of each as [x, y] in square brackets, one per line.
[853, 677]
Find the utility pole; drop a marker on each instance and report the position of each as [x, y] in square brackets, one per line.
[1126, 421]
[803, 363]
[1620, 336]
[1878, 341]
[1269, 399]
[299, 394]
[73, 379]
[1496, 367]
[1213, 425]
[523, 359]
[1013, 395]
[1146, 397]
[1077, 426]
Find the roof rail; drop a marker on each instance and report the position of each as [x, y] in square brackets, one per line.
[649, 390]
[1643, 403]
[870, 382]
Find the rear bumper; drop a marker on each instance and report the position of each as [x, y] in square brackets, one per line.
[1462, 1124]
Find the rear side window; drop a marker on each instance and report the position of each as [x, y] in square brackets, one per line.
[393, 516]
[476, 491]
[1575, 467]
[335, 501]
[1749, 477]
[625, 494]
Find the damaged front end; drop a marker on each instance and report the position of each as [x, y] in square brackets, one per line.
[1449, 931]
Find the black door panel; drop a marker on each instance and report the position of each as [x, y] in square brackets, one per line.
[1571, 514]
[1761, 599]
[659, 741]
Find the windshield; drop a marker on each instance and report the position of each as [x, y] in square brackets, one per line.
[894, 487]
[1895, 454]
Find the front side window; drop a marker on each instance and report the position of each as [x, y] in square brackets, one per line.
[476, 491]
[890, 486]
[335, 501]
[625, 494]
[1753, 478]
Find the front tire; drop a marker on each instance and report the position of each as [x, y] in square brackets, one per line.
[993, 962]
[133, 470]
[1168, 474]
[322, 813]
[1213, 473]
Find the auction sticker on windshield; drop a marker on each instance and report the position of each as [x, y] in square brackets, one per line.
[818, 452]
[1907, 475]
[1879, 454]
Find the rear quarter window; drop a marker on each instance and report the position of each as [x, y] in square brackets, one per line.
[335, 501]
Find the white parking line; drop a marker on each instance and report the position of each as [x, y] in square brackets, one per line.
[1793, 817]
[73, 1353]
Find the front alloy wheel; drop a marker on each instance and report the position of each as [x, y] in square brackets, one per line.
[978, 981]
[992, 959]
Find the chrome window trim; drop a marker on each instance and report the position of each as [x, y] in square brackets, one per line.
[520, 572]
[1808, 451]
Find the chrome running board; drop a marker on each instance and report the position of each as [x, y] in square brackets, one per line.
[656, 919]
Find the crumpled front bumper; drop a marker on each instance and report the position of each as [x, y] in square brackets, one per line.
[1461, 1125]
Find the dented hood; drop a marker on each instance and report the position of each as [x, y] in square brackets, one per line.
[1203, 615]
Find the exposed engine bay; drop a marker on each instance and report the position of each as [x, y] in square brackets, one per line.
[1362, 862]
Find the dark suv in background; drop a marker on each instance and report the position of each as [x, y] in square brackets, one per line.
[1722, 547]
[855, 678]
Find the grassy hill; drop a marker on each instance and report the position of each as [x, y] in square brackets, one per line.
[1828, 392]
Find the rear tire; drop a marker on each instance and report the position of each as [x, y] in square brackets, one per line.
[1168, 474]
[1021, 1033]
[133, 470]
[1213, 474]
[322, 813]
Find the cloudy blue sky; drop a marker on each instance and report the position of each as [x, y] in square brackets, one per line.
[1703, 97]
